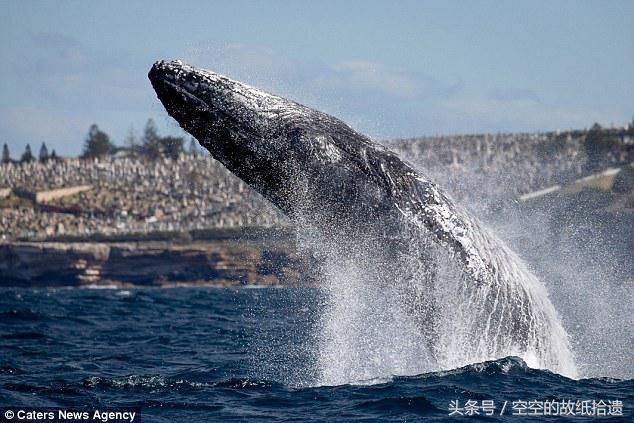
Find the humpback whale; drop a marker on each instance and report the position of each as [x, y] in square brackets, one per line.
[319, 170]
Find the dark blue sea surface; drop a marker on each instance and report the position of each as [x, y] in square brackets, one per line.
[243, 355]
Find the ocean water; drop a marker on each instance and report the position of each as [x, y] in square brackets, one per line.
[247, 355]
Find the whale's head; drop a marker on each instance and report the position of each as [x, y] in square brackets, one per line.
[273, 144]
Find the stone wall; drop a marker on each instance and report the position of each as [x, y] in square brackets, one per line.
[56, 194]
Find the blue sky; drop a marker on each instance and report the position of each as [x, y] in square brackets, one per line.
[390, 69]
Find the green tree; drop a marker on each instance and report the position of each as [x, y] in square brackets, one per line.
[193, 147]
[54, 155]
[27, 156]
[172, 146]
[97, 144]
[152, 147]
[130, 140]
[6, 157]
[43, 153]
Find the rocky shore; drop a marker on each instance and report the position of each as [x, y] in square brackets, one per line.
[217, 263]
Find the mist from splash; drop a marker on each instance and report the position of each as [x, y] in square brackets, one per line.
[590, 287]
[587, 281]
[393, 312]
[365, 332]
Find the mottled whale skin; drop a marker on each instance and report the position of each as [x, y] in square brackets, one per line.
[306, 161]
[315, 167]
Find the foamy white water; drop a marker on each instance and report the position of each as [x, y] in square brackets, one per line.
[414, 311]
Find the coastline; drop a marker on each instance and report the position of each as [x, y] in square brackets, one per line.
[164, 264]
